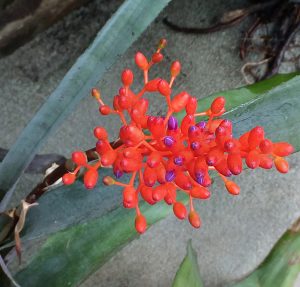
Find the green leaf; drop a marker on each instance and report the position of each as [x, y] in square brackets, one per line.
[94, 221]
[69, 256]
[188, 272]
[131, 19]
[280, 268]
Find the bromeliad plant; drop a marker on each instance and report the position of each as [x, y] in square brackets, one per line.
[167, 156]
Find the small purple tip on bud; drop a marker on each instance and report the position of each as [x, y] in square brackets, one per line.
[169, 141]
[178, 160]
[199, 178]
[195, 145]
[172, 123]
[192, 129]
[170, 175]
[201, 125]
[118, 173]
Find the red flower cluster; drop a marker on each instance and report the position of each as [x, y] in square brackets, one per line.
[168, 156]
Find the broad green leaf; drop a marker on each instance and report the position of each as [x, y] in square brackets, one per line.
[280, 268]
[96, 222]
[69, 256]
[188, 272]
[131, 19]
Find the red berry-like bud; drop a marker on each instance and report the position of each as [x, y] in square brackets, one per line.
[159, 192]
[127, 77]
[266, 146]
[140, 224]
[179, 102]
[222, 167]
[281, 165]
[79, 157]
[164, 88]
[265, 161]
[194, 219]
[124, 102]
[217, 105]
[232, 188]
[235, 164]
[214, 156]
[90, 178]
[182, 180]
[152, 86]
[105, 110]
[191, 106]
[200, 192]
[253, 159]
[170, 197]
[68, 178]
[244, 140]
[157, 57]
[282, 149]
[154, 159]
[256, 135]
[146, 193]
[141, 61]
[149, 176]
[232, 146]
[108, 158]
[161, 173]
[100, 133]
[179, 210]
[129, 194]
[102, 146]
[175, 68]
[188, 120]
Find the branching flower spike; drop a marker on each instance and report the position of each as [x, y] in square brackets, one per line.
[167, 156]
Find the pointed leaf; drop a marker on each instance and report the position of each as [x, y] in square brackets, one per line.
[188, 272]
[281, 267]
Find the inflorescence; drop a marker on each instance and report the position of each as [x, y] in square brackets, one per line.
[168, 156]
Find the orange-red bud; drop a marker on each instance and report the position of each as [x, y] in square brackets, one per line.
[179, 102]
[256, 135]
[175, 68]
[100, 133]
[108, 158]
[217, 105]
[194, 219]
[281, 165]
[90, 178]
[232, 187]
[127, 77]
[140, 224]
[152, 86]
[282, 149]
[141, 61]
[157, 57]
[104, 110]
[179, 210]
[68, 178]
[200, 192]
[164, 88]
[79, 157]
